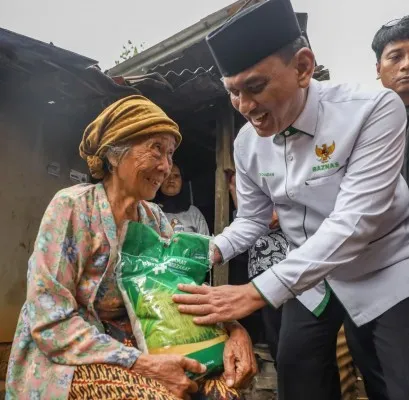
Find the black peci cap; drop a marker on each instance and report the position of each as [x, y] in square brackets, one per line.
[252, 35]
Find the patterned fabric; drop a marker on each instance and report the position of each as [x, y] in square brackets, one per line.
[70, 285]
[267, 251]
[109, 382]
[216, 389]
[102, 381]
[121, 330]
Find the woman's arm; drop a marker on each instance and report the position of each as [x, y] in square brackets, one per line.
[55, 267]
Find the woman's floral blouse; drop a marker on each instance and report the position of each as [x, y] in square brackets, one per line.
[74, 256]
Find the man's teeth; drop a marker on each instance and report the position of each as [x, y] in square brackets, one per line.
[259, 117]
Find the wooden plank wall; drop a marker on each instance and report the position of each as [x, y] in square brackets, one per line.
[224, 161]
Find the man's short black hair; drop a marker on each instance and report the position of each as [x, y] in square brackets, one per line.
[290, 50]
[388, 34]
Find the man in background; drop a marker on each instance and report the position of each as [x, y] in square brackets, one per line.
[391, 46]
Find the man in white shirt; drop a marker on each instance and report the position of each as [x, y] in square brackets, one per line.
[329, 157]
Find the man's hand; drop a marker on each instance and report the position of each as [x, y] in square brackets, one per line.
[169, 370]
[218, 304]
[216, 258]
[240, 364]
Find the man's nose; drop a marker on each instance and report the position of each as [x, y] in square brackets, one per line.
[405, 63]
[247, 104]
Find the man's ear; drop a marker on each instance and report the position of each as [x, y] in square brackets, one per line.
[378, 71]
[305, 63]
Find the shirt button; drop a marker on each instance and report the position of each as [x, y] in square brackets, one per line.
[278, 139]
[287, 133]
[290, 158]
[291, 194]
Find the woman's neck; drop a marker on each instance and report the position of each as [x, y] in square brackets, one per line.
[124, 206]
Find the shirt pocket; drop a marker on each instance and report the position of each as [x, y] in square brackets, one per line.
[331, 179]
[320, 193]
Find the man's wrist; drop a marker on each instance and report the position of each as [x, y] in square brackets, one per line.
[216, 257]
[225, 248]
[255, 296]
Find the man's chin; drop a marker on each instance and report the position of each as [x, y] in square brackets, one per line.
[404, 95]
[264, 132]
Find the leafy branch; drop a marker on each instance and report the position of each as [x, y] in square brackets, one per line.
[129, 50]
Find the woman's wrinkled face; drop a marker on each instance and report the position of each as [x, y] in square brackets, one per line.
[146, 165]
[173, 183]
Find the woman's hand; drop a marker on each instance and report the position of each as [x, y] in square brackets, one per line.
[240, 365]
[169, 370]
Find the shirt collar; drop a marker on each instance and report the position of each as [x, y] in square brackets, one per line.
[307, 120]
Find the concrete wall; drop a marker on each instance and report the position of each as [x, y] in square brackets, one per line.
[27, 146]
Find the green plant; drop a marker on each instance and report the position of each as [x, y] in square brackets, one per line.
[129, 50]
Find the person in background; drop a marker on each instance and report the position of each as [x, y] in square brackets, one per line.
[174, 200]
[391, 46]
[267, 251]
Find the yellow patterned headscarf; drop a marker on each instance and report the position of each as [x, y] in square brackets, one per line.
[125, 120]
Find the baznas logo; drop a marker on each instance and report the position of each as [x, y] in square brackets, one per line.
[324, 152]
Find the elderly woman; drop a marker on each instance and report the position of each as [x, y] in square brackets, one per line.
[174, 200]
[73, 339]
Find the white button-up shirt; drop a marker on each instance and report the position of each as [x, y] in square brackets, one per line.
[334, 178]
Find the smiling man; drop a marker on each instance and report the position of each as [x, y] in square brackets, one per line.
[329, 157]
[391, 46]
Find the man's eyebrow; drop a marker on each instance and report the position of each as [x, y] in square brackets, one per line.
[254, 80]
[393, 50]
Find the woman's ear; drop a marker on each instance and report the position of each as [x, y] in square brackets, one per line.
[112, 160]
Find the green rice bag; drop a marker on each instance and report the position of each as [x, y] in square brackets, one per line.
[149, 270]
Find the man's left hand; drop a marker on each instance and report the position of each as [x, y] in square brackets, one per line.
[218, 304]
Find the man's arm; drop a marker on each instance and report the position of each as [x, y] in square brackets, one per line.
[253, 215]
[366, 193]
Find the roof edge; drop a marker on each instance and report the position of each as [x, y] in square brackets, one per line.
[165, 50]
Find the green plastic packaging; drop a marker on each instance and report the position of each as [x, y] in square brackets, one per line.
[149, 270]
